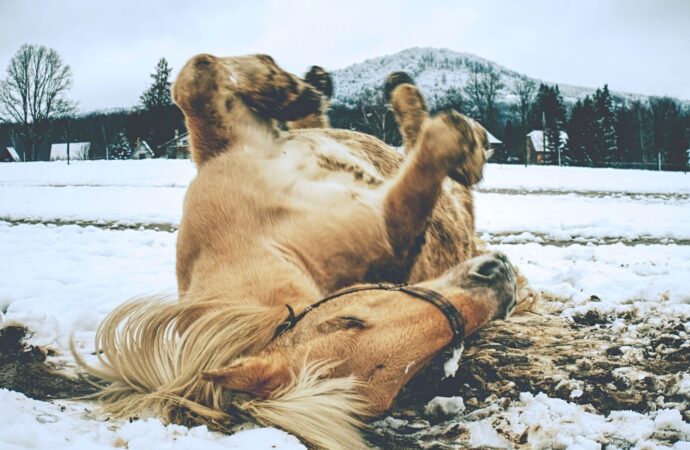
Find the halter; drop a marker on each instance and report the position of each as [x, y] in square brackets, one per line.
[457, 323]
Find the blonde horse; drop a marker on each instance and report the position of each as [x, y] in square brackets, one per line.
[276, 220]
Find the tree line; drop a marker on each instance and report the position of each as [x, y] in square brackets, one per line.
[35, 111]
[602, 129]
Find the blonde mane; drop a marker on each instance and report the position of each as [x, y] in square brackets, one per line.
[148, 368]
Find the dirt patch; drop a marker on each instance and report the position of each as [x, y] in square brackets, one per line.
[662, 197]
[23, 369]
[103, 224]
[584, 361]
[521, 237]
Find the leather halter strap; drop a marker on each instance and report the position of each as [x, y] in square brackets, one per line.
[455, 320]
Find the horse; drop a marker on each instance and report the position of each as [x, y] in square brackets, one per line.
[318, 269]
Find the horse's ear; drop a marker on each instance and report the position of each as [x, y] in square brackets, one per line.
[260, 376]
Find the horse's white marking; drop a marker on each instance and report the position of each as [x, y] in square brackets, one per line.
[451, 366]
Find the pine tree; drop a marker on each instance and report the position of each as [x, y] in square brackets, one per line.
[120, 149]
[510, 149]
[670, 138]
[581, 131]
[548, 113]
[607, 142]
[627, 133]
[157, 96]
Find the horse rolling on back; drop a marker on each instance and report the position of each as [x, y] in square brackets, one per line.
[276, 218]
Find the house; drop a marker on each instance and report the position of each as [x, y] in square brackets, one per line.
[141, 151]
[177, 147]
[9, 154]
[495, 143]
[537, 152]
[77, 151]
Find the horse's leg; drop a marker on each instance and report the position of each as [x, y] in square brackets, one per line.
[447, 143]
[231, 102]
[408, 107]
[322, 81]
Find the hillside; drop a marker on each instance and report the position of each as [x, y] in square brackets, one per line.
[436, 71]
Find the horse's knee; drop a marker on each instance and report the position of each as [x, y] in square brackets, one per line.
[321, 80]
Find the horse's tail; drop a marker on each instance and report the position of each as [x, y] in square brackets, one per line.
[151, 355]
[322, 411]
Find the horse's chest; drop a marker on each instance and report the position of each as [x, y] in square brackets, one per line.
[328, 176]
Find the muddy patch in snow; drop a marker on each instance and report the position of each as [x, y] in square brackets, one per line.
[653, 196]
[564, 239]
[24, 369]
[597, 378]
[103, 224]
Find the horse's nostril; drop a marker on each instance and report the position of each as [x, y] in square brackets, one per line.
[488, 269]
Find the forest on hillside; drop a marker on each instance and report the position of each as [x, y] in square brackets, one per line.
[604, 129]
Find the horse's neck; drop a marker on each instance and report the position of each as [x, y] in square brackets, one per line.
[265, 279]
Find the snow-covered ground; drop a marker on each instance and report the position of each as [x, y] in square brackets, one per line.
[77, 240]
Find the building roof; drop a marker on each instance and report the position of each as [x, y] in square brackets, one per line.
[176, 138]
[493, 139]
[537, 138]
[77, 150]
[13, 153]
[143, 145]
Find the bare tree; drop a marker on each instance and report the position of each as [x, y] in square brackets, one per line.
[377, 119]
[474, 92]
[524, 89]
[34, 94]
[482, 89]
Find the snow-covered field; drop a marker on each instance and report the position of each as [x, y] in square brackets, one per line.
[75, 241]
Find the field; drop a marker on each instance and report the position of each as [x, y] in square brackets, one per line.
[610, 249]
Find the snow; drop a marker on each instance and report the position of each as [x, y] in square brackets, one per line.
[450, 367]
[445, 406]
[26, 423]
[542, 422]
[564, 217]
[122, 204]
[622, 236]
[583, 179]
[645, 276]
[58, 279]
[13, 153]
[147, 172]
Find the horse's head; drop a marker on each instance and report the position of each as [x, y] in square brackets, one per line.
[381, 337]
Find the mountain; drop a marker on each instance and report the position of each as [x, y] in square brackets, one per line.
[436, 71]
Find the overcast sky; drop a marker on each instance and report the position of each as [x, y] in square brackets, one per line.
[112, 46]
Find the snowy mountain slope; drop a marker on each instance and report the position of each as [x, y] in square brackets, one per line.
[436, 71]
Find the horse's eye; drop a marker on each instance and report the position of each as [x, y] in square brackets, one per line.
[353, 322]
[341, 323]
